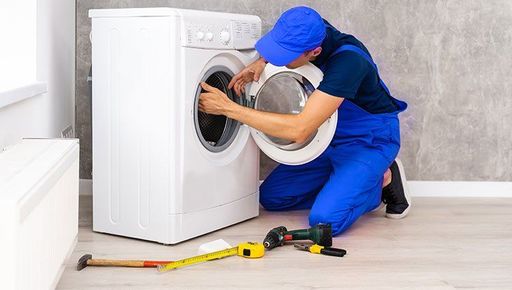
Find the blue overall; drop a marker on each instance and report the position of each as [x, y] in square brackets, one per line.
[345, 181]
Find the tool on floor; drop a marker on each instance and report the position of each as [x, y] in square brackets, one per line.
[87, 260]
[246, 250]
[320, 234]
[317, 249]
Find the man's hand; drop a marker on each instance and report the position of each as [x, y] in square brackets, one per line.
[214, 101]
[249, 74]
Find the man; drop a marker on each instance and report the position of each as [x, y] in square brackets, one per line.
[357, 171]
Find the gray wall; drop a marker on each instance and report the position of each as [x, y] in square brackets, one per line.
[450, 60]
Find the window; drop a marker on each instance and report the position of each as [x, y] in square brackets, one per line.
[18, 43]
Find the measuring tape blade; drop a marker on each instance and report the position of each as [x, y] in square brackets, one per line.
[198, 259]
[247, 250]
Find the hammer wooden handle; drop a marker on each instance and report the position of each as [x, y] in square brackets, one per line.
[87, 260]
[125, 263]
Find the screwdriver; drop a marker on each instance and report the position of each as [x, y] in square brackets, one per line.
[317, 249]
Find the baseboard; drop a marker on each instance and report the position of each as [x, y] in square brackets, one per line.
[420, 188]
[85, 187]
[460, 188]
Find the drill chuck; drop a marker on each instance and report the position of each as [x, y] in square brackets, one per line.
[274, 238]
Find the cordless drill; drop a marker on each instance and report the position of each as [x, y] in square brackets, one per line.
[320, 234]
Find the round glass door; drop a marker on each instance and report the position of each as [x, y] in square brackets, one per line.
[286, 91]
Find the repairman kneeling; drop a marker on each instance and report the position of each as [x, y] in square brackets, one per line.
[358, 170]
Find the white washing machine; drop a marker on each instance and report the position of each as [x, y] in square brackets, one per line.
[162, 171]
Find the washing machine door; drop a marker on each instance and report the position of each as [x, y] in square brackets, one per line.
[284, 90]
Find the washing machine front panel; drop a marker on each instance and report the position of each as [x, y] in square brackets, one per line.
[283, 90]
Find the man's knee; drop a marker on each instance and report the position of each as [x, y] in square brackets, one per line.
[278, 198]
[265, 196]
[268, 203]
[270, 198]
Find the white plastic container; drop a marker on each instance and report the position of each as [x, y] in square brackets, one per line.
[38, 211]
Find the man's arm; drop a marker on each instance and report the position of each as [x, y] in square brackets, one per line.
[319, 107]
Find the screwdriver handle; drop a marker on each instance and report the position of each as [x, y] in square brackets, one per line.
[333, 252]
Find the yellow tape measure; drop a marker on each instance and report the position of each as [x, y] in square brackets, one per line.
[246, 250]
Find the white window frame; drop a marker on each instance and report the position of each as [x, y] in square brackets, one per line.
[18, 49]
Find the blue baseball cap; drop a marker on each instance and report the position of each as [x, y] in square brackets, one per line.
[298, 30]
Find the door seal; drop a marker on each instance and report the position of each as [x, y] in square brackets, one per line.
[249, 102]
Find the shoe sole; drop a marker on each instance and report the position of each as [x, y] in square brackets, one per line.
[406, 193]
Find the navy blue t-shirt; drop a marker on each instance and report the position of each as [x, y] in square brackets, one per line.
[350, 76]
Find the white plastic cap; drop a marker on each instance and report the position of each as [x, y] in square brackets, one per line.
[213, 246]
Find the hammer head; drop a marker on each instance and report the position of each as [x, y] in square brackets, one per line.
[82, 262]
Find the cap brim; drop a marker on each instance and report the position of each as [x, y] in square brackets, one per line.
[273, 52]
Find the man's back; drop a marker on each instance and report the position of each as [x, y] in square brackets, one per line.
[350, 76]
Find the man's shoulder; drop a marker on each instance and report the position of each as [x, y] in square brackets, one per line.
[346, 61]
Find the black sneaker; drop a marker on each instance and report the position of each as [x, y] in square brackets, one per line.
[396, 194]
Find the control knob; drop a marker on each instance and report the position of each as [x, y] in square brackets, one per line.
[225, 36]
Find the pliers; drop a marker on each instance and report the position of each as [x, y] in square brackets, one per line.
[317, 249]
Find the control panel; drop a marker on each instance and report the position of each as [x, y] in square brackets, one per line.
[220, 31]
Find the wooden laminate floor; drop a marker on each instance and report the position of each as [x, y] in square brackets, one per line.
[445, 243]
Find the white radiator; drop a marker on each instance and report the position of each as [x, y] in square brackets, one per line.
[38, 211]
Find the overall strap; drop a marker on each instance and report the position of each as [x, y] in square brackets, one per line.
[353, 48]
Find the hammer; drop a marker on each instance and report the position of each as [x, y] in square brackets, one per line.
[87, 260]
